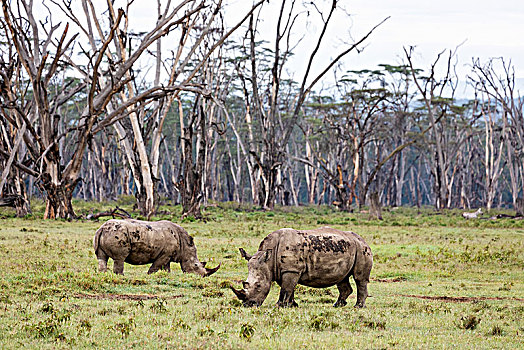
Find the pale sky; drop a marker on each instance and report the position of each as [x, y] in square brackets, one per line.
[482, 28]
[486, 28]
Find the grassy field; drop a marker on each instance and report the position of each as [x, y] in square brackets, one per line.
[438, 281]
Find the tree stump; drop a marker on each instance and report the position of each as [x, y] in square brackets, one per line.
[375, 209]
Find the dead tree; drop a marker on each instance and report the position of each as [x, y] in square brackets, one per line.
[446, 142]
[271, 114]
[39, 50]
[501, 89]
[111, 93]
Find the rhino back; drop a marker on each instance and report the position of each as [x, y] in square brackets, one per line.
[323, 257]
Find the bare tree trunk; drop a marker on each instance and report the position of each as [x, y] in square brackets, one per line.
[375, 208]
[190, 185]
[492, 156]
[400, 180]
[519, 206]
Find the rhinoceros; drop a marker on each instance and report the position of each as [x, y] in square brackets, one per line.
[316, 258]
[142, 242]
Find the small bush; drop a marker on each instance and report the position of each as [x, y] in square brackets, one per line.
[247, 331]
[180, 324]
[124, 328]
[159, 306]
[51, 326]
[85, 326]
[374, 324]
[496, 330]
[318, 323]
[205, 331]
[104, 312]
[138, 282]
[507, 286]
[188, 219]
[47, 308]
[469, 322]
[321, 322]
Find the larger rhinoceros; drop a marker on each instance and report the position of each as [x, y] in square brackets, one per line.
[316, 258]
[142, 242]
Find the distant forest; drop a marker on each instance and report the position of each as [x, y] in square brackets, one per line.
[193, 111]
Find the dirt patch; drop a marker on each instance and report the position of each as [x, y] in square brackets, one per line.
[124, 296]
[456, 299]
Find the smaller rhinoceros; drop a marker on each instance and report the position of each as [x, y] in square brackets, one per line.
[316, 258]
[142, 242]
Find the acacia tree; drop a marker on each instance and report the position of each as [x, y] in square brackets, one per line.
[400, 101]
[443, 120]
[347, 127]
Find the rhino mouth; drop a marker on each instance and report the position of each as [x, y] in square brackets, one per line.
[250, 303]
[242, 295]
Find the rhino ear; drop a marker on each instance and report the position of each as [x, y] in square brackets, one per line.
[244, 254]
[268, 254]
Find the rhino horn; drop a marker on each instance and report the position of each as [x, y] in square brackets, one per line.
[209, 271]
[244, 254]
[240, 293]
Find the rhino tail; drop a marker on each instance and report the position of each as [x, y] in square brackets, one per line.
[96, 240]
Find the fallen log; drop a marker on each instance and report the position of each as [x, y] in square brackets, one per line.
[117, 212]
[11, 200]
[506, 216]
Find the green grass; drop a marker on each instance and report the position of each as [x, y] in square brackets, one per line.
[51, 295]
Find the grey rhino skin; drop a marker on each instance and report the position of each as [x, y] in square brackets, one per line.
[142, 242]
[316, 258]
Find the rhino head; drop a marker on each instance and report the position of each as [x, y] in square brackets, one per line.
[260, 275]
[189, 261]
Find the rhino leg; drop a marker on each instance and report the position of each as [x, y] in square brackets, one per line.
[287, 289]
[159, 263]
[102, 260]
[362, 292]
[361, 273]
[167, 267]
[345, 290]
[118, 266]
